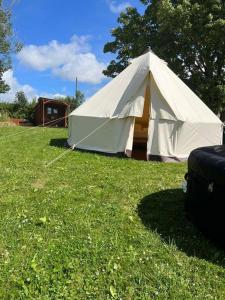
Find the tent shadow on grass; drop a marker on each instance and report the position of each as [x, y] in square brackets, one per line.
[163, 212]
[61, 142]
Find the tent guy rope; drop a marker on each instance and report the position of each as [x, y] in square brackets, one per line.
[32, 128]
[76, 144]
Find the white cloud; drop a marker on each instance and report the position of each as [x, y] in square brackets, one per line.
[116, 7]
[15, 86]
[51, 95]
[67, 61]
[29, 91]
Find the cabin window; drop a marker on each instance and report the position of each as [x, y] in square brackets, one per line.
[52, 111]
[49, 110]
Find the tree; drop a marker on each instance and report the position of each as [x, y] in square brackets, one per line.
[21, 105]
[20, 108]
[8, 45]
[188, 34]
[79, 99]
[21, 99]
[76, 101]
[30, 111]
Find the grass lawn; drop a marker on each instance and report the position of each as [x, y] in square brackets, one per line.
[96, 227]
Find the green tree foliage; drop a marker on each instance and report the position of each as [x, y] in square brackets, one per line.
[188, 34]
[21, 108]
[8, 45]
[75, 101]
[5, 111]
[21, 99]
[21, 105]
[31, 110]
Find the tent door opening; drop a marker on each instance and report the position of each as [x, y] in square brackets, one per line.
[140, 138]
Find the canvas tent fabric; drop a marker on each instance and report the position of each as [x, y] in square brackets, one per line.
[178, 120]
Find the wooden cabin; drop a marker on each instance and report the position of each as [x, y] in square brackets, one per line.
[48, 110]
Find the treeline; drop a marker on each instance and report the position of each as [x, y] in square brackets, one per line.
[21, 108]
[74, 102]
[188, 34]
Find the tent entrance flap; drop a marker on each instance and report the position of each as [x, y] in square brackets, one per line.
[141, 130]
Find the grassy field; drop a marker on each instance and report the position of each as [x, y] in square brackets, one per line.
[96, 227]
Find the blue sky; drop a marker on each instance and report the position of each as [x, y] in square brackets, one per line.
[62, 40]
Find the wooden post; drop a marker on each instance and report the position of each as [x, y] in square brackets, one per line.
[65, 121]
[76, 88]
[43, 113]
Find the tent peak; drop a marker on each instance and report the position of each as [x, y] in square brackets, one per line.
[149, 49]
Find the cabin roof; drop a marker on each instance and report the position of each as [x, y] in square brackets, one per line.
[52, 101]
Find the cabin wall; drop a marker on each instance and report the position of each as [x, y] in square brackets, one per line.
[61, 113]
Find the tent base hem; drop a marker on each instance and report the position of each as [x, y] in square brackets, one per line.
[116, 154]
[166, 158]
[151, 157]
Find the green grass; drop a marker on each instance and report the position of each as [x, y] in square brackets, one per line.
[96, 227]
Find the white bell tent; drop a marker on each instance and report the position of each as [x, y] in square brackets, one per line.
[146, 105]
